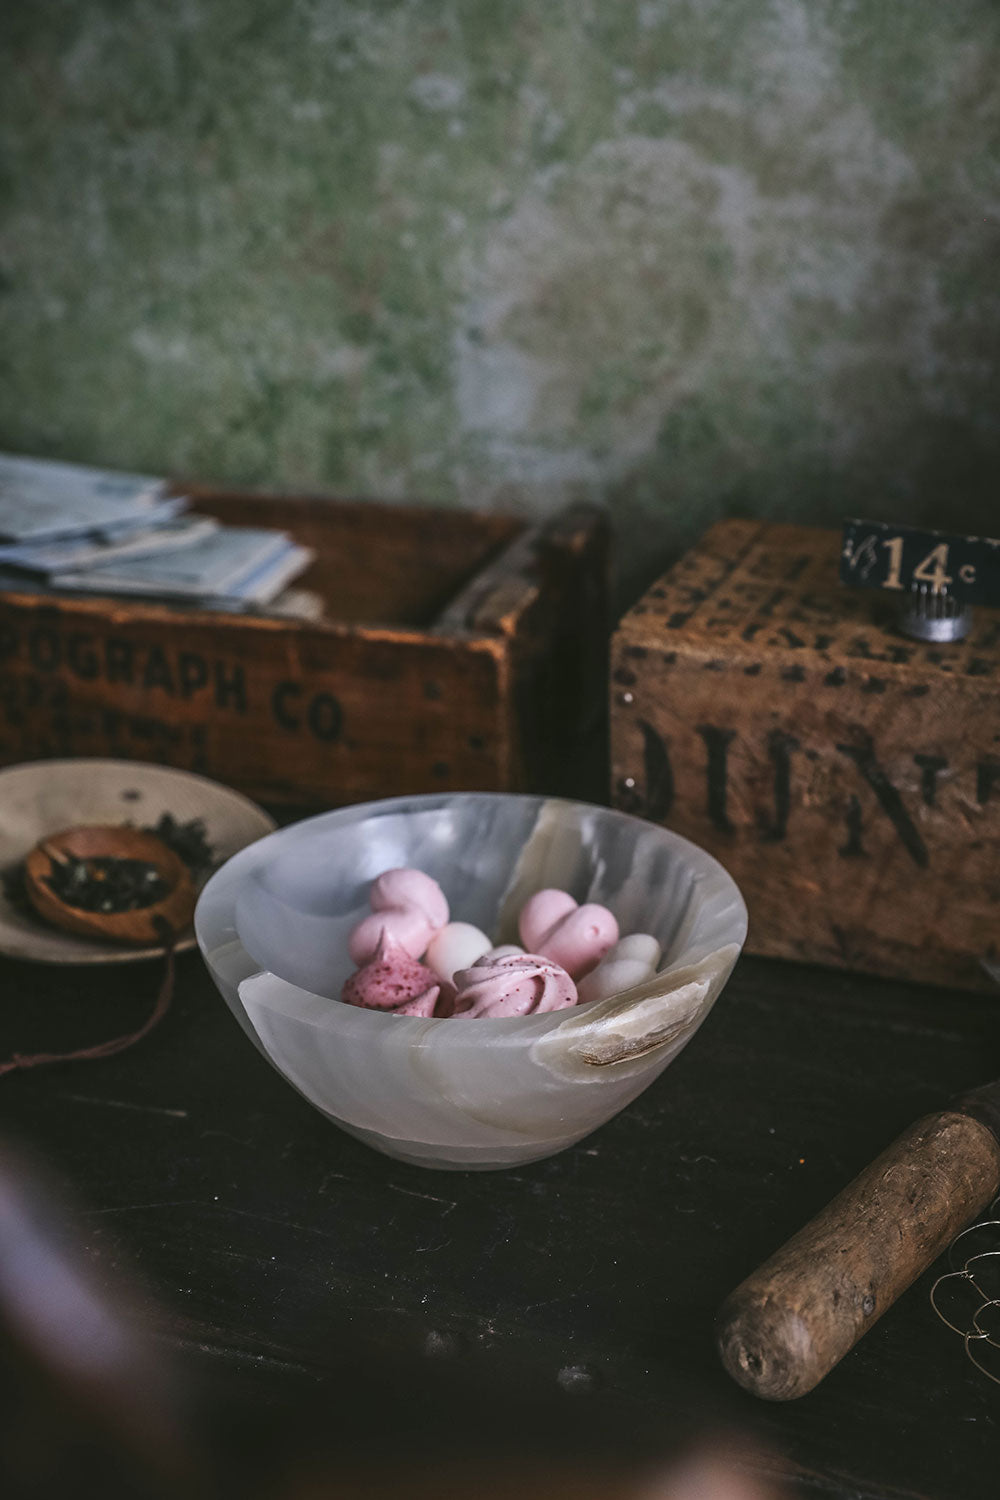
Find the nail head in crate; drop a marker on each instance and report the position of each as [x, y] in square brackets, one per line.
[458, 650]
[846, 773]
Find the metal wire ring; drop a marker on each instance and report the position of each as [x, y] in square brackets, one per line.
[980, 1224]
[962, 1275]
[982, 1333]
[976, 1335]
[982, 1255]
[971, 1338]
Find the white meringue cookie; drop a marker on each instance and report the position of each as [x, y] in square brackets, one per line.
[456, 946]
[631, 961]
[640, 945]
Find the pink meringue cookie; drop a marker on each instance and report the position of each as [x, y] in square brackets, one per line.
[540, 913]
[580, 941]
[516, 984]
[406, 927]
[576, 938]
[403, 888]
[423, 1005]
[406, 904]
[393, 981]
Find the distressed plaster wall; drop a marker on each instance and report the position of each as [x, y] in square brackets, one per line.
[694, 256]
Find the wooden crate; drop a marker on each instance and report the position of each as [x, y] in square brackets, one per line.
[458, 650]
[847, 776]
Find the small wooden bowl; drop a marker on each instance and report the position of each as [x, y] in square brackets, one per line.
[138, 928]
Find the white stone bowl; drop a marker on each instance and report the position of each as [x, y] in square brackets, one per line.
[273, 926]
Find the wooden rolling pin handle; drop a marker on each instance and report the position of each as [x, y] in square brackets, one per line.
[789, 1323]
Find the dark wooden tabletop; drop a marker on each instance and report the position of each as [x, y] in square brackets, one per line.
[272, 1242]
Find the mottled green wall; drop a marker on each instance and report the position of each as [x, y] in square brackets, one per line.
[696, 256]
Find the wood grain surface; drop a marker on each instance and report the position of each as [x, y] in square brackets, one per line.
[784, 1328]
[291, 1270]
[147, 925]
[848, 777]
[457, 651]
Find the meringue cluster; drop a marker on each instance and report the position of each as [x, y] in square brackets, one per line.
[412, 960]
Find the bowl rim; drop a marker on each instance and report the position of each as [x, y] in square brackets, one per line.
[216, 890]
[355, 811]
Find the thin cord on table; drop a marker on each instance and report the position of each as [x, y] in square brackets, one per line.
[22, 1061]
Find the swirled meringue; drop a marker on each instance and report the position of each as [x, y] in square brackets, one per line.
[513, 984]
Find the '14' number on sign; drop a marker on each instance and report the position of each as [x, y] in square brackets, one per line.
[931, 570]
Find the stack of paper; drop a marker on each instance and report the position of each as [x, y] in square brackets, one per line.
[39, 500]
[64, 526]
[68, 554]
[232, 562]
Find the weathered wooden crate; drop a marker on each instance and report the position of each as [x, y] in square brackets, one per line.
[847, 776]
[459, 650]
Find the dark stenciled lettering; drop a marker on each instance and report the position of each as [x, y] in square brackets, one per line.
[192, 673]
[853, 848]
[157, 672]
[987, 776]
[325, 717]
[119, 660]
[44, 649]
[717, 743]
[930, 766]
[659, 774]
[230, 687]
[280, 705]
[888, 798]
[780, 747]
[81, 658]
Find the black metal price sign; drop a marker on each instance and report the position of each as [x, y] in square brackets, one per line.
[906, 559]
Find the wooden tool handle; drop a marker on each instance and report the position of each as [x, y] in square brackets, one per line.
[790, 1322]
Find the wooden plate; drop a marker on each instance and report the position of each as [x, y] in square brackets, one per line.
[43, 797]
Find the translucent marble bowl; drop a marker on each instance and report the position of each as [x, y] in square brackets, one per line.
[273, 926]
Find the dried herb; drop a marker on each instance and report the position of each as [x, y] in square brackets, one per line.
[106, 883]
[187, 840]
